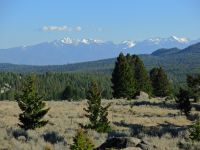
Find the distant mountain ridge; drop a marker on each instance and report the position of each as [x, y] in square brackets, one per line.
[68, 50]
[192, 49]
[164, 51]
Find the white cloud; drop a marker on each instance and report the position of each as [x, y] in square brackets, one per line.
[78, 28]
[63, 28]
[56, 28]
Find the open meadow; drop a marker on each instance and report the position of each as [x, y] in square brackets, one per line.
[155, 121]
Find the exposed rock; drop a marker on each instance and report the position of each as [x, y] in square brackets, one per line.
[143, 96]
[21, 138]
[145, 142]
[133, 141]
[145, 145]
[120, 143]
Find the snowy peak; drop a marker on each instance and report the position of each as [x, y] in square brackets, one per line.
[126, 44]
[154, 40]
[85, 41]
[68, 41]
[180, 39]
[170, 39]
[129, 44]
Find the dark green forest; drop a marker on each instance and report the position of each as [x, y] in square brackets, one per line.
[55, 86]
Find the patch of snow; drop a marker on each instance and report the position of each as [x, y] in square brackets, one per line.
[180, 40]
[155, 40]
[85, 41]
[130, 44]
[98, 41]
[67, 40]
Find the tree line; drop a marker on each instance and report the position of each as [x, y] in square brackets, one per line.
[55, 86]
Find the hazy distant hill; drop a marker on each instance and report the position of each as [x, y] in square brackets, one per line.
[164, 52]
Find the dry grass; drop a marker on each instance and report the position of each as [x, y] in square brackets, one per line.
[157, 122]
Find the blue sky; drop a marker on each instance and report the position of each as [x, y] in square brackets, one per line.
[24, 22]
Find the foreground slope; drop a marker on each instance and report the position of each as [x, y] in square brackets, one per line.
[157, 122]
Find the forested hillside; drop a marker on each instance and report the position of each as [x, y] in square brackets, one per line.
[55, 86]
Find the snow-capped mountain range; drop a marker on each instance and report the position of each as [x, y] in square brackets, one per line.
[68, 50]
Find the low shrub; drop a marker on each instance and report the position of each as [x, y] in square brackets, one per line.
[195, 131]
[82, 141]
[16, 133]
[53, 137]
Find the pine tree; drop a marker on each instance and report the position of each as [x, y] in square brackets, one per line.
[97, 114]
[140, 74]
[94, 105]
[67, 93]
[160, 83]
[31, 105]
[103, 123]
[82, 141]
[183, 101]
[123, 79]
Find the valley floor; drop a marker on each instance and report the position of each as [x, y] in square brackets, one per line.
[155, 121]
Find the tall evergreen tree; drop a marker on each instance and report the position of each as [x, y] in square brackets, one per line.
[67, 93]
[96, 113]
[31, 105]
[142, 80]
[123, 79]
[160, 83]
[183, 101]
[94, 104]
